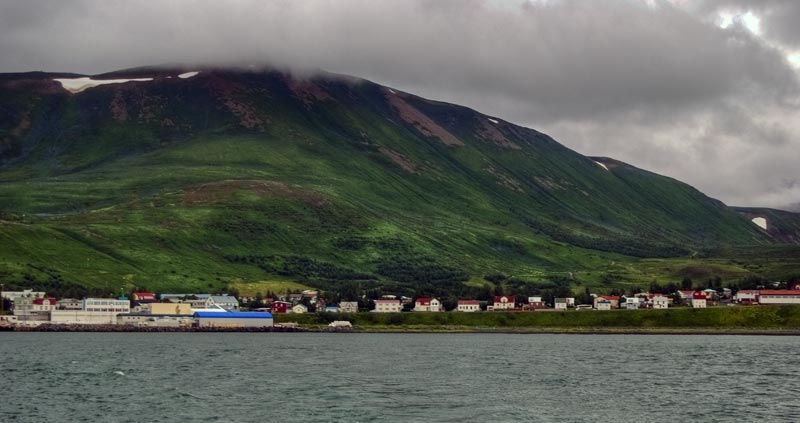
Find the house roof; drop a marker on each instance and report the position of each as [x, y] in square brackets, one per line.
[469, 302]
[561, 300]
[387, 301]
[235, 314]
[424, 301]
[698, 296]
[499, 298]
[224, 299]
[783, 292]
[41, 301]
[301, 305]
[610, 297]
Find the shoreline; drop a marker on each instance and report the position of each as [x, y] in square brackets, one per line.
[416, 330]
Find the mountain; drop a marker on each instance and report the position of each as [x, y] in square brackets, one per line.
[170, 178]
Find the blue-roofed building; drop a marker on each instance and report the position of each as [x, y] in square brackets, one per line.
[233, 319]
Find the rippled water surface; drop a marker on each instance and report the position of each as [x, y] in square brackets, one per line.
[203, 377]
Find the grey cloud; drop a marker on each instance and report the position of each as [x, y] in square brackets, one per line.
[661, 87]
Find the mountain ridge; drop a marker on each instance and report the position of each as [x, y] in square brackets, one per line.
[241, 159]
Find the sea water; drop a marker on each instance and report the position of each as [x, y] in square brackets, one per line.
[314, 377]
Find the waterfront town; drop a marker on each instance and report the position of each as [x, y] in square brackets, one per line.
[31, 308]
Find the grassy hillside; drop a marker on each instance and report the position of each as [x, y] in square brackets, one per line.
[231, 178]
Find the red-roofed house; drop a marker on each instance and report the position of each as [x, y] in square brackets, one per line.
[468, 306]
[34, 309]
[699, 300]
[387, 306]
[503, 302]
[144, 297]
[427, 304]
[779, 296]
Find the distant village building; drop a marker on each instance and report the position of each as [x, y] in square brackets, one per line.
[34, 308]
[427, 304]
[602, 304]
[331, 309]
[633, 303]
[228, 302]
[184, 309]
[69, 304]
[299, 309]
[504, 302]
[746, 296]
[660, 302]
[779, 296]
[348, 307]
[468, 306]
[94, 311]
[13, 295]
[387, 306]
[234, 319]
[560, 304]
[699, 300]
[144, 297]
[279, 307]
[612, 299]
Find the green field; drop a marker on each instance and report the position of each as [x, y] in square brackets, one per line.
[714, 319]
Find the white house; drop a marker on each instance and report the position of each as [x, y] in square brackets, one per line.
[746, 295]
[387, 306]
[633, 303]
[503, 302]
[534, 300]
[468, 306]
[561, 304]
[779, 296]
[660, 302]
[603, 304]
[427, 304]
[699, 300]
[299, 309]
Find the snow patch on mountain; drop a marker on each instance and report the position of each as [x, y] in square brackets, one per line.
[495, 121]
[188, 75]
[602, 165]
[76, 85]
[760, 222]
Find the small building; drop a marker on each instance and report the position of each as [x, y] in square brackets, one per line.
[427, 304]
[560, 304]
[534, 300]
[468, 306]
[699, 300]
[69, 304]
[633, 303]
[603, 304]
[331, 309]
[746, 296]
[504, 302]
[154, 320]
[660, 302]
[13, 295]
[613, 299]
[387, 306]
[234, 319]
[779, 296]
[686, 296]
[348, 307]
[184, 309]
[299, 309]
[279, 307]
[28, 309]
[144, 297]
[227, 302]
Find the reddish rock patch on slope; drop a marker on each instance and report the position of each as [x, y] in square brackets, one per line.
[422, 122]
[306, 90]
[232, 97]
[489, 132]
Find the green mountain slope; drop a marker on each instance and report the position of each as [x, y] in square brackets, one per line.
[237, 176]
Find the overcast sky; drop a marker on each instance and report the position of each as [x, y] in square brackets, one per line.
[707, 92]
